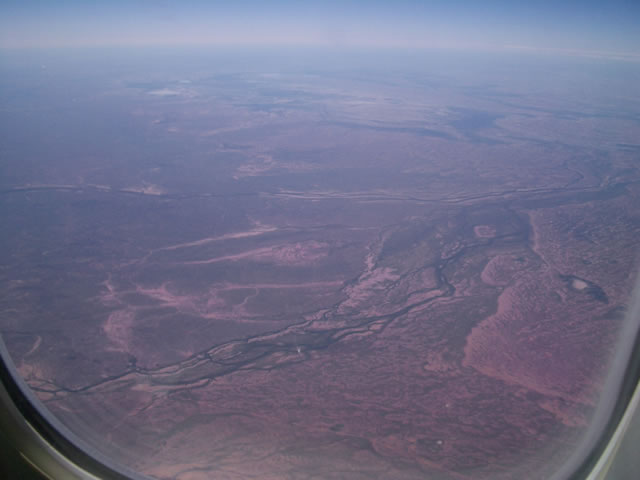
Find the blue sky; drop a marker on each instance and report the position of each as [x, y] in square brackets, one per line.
[607, 26]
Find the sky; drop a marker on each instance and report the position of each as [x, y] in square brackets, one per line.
[586, 25]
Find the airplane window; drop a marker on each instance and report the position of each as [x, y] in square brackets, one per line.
[321, 240]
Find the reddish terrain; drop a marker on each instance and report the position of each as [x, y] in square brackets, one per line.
[366, 287]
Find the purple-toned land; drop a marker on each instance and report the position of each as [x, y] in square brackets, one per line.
[322, 275]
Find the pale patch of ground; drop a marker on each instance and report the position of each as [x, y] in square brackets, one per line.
[32, 373]
[417, 297]
[211, 305]
[35, 346]
[35, 375]
[117, 328]
[579, 284]
[259, 230]
[310, 285]
[238, 125]
[111, 296]
[370, 283]
[484, 231]
[163, 295]
[297, 253]
[171, 92]
[534, 218]
[260, 164]
[264, 163]
[104, 188]
[450, 249]
[146, 189]
[488, 274]
[300, 253]
[370, 261]
[208, 305]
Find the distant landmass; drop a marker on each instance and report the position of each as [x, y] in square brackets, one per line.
[263, 269]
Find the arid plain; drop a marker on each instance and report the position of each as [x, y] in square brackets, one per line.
[325, 274]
